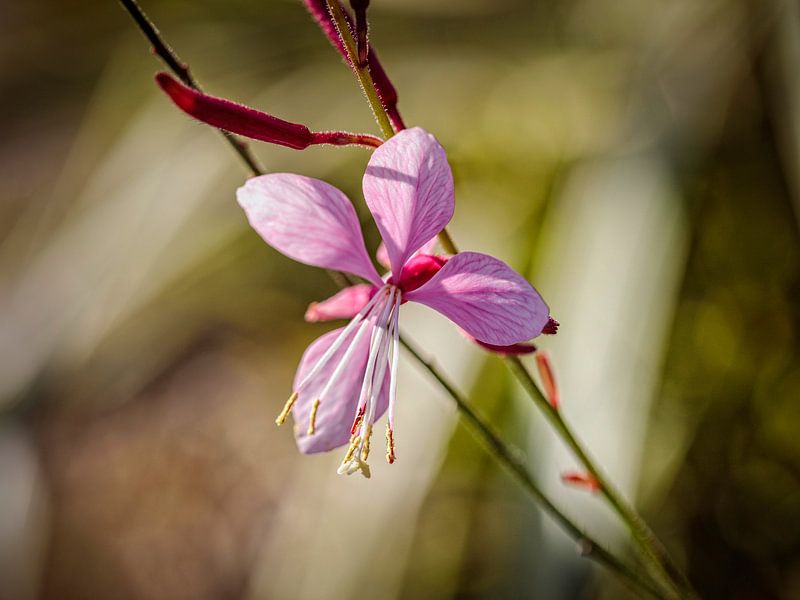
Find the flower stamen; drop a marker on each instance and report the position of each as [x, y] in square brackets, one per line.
[287, 408]
[365, 452]
[373, 383]
[390, 456]
[312, 421]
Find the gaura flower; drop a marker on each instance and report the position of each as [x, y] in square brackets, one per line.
[348, 377]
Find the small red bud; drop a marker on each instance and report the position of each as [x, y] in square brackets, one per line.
[234, 117]
[551, 327]
[581, 480]
[548, 379]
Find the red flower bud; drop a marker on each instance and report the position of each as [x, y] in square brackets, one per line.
[551, 327]
[581, 480]
[234, 117]
[548, 379]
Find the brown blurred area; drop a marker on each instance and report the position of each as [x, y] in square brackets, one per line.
[638, 160]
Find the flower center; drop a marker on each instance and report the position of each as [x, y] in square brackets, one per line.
[379, 320]
[383, 355]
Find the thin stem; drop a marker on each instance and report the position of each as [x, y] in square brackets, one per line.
[181, 70]
[370, 91]
[653, 551]
[655, 554]
[361, 70]
[510, 459]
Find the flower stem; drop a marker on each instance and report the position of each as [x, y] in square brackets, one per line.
[181, 70]
[371, 92]
[510, 459]
[361, 70]
[654, 553]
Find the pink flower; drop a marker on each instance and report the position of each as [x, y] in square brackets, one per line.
[348, 377]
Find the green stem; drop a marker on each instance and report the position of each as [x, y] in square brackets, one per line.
[654, 554]
[370, 91]
[652, 550]
[361, 70]
[510, 459]
[181, 70]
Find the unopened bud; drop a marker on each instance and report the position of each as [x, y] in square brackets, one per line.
[548, 379]
[234, 117]
[581, 480]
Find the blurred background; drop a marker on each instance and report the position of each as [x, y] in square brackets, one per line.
[637, 159]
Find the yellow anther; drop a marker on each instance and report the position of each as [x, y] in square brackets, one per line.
[312, 422]
[390, 457]
[287, 408]
[352, 449]
[365, 453]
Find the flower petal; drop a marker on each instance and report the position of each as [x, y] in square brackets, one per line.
[307, 220]
[343, 305]
[408, 186]
[486, 298]
[338, 408]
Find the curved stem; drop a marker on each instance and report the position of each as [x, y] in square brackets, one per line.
[371, 92]
[361, 70]
[655, 554]
[181, 70]
[510, 459]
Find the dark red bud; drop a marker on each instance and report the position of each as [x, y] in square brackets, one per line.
[551, 327]
[234, 117]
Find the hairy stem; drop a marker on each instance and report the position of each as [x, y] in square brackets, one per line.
[181, 70]
[510, 459]
[371, 92]
[361, 70]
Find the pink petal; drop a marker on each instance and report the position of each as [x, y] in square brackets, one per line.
[307, 220]
[486, 298]
[408, 186]
[338, 408]
[345, 304]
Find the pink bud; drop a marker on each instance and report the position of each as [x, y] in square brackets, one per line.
[581, 480]
[548, 379]
[234, 117]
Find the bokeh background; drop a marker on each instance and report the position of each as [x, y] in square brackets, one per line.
[637, 159]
